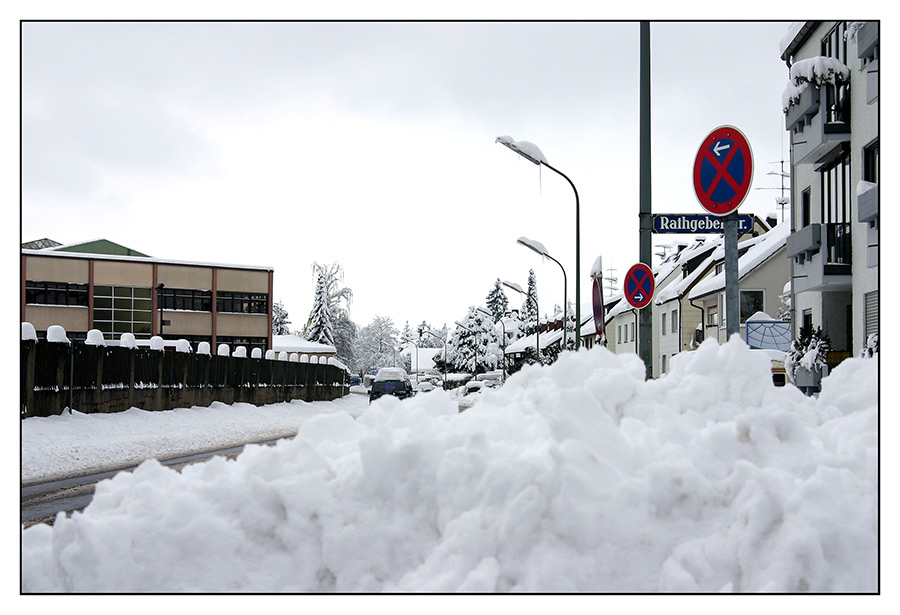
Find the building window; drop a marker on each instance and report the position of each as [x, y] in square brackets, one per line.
[836, 190]
[807, 319]
[870, 163]
[186, 299]
[122, 309]
[662, 324]
[663, 365]
[871, 325]
[805, 208]
[712, 319]
[674, 321]
[837, 97]
[242, 303]
[752, 301]
[619, 333]
[56, 293]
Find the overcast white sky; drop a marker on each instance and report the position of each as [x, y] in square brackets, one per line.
[372, 144]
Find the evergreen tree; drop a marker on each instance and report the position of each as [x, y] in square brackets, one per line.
[280, 319]
[475, 348]
[320, 328]
[338, 299]
[530, 306]
[497, 303]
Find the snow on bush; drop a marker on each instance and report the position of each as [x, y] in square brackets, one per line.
[57, 334]
[819, 70]
[28, 332]
[577, 477]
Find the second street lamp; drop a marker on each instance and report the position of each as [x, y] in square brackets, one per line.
[532, 153]
[538, 247]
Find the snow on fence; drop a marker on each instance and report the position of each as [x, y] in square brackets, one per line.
[95, 378]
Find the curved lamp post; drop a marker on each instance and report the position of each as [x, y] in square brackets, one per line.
[503, 346]
[532, 153]
[537, 338]
[538, 247]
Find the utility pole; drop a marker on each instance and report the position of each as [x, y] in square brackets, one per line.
[645, 325]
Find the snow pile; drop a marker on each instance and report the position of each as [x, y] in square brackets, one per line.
[578, 477]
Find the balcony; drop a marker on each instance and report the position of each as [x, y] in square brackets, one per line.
[821, 255]
[867, 209]
[867, 52]
[819, 123]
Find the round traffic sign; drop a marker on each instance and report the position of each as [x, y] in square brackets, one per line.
[723, 170]
[599, 316]
[639, 286]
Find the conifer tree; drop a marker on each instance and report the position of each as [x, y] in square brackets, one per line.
[320, 328]
[530, 306]
[497, 303]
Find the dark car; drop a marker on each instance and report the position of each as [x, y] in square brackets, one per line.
[390, 381]
[397, 388]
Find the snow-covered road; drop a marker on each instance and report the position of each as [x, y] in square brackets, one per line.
[74, 444]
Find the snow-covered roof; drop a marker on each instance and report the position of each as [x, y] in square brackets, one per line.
[295, 343]
[762, 249]
[139, 259]
[792, 33]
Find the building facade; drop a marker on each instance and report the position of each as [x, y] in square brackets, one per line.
[831, 112]
[98, 286]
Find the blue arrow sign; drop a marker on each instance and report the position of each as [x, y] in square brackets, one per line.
[697, 223]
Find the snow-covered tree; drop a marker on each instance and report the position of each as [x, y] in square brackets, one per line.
[321, 327]
[497, 303]
[376, 345]
[338, 299]
[429, 341]
[530, 306]
[809, 351]
[475, 348]
[280, 319]
[406, 334]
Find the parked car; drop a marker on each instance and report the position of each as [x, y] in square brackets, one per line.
[391, 381]
[424, 387]
[471, 394]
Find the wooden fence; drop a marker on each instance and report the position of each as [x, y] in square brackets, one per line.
[91, 379]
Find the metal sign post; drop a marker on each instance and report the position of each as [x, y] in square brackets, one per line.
[723, 171]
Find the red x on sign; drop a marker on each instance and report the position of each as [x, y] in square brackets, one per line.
[723, 170]
[639, 285]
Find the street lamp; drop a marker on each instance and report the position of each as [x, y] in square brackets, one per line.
[538, 247]
[503, 346]
[537, 338]
[532, 153]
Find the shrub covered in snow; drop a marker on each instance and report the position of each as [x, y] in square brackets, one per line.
[818, 71]
[809, 351]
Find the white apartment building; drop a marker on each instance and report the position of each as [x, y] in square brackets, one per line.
[831, 112]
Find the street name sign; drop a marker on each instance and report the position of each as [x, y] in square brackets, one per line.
[697, 223]
[639, 286]
[723, 170]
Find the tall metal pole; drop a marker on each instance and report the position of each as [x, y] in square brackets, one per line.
[577, 257]
[645, 329]
[732, 282]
